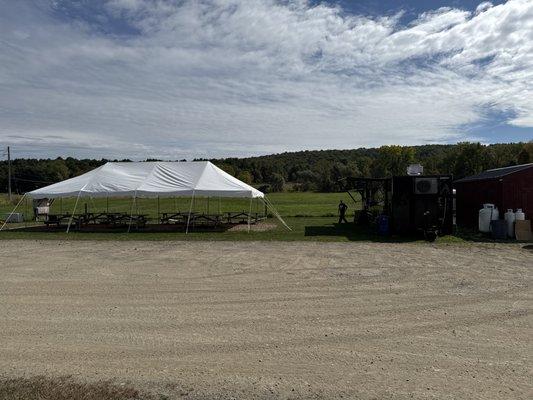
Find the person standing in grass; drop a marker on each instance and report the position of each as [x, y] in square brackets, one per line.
[342, 212]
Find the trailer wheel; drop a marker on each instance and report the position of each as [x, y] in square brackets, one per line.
[430, 235]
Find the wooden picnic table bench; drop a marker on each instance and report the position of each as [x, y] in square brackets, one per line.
[242, 217]
[209, 219]
[79, 220]
[173, 217]
[56, 219]
[206, 219]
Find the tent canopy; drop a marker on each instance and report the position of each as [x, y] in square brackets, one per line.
[150, 179]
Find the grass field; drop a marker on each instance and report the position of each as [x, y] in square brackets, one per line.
[312, 216]
[293, 204]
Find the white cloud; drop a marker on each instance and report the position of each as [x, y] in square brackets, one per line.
[482, 7]
[235, 77]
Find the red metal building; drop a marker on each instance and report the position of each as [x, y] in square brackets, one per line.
[509, 187]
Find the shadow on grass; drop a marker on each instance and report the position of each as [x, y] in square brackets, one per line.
[355, 232]
[303, 229]
[150, 228]
[469, 235]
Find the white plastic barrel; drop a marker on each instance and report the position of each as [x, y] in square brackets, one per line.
[486, 214]
[510, 218]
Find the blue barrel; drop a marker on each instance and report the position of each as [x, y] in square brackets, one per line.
[383, 224]
[498, 228]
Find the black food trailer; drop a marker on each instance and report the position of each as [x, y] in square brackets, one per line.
[414, 204]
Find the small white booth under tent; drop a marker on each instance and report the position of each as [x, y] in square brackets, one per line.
[158, 179]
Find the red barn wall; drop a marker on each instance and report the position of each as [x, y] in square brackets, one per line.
[470, 198]
[511, 191]
[518, 192]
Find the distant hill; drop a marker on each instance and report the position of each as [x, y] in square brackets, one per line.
[318, 170]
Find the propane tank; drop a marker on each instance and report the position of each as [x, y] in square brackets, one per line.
[519, 215]
[510, 218]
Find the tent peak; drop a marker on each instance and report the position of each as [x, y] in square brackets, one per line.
[160, 162]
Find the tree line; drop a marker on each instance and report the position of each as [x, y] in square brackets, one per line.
[321, 170]
[325, 170]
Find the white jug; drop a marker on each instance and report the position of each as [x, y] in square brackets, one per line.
[487, 214]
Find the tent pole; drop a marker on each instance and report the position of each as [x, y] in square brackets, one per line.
[26, 213]
[107, 204]
[92, 204]
[61, 205]
[207, 205]
[158, 208]
[190, 211]
[13, 212]
[73, 211]
[250, 214]
[131, 210]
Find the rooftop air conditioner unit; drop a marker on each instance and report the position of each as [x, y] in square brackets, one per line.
[415, 169]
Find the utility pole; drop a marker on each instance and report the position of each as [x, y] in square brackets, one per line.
[9, 174]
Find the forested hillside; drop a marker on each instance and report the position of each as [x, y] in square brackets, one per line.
[322, 170]
[306, 170]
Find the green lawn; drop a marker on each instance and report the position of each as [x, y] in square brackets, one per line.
[292, 204]
[323, 229]
[312, 216]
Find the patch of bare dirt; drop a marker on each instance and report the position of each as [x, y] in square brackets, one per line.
[259, 227]
[66, 388]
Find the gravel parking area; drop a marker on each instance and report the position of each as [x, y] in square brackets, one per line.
[209, 320]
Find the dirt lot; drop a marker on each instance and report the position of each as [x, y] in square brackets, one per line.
[271, 320]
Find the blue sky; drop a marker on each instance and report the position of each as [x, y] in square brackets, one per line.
[215, 78]
[410, 8]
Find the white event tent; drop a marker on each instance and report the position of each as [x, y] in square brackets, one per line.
[150, 180]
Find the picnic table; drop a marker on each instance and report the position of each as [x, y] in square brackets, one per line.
[242, 217]
[193, 218]
[115, 219]
[173, 217]
[206, 219]
[103, 218]
[56, 219]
